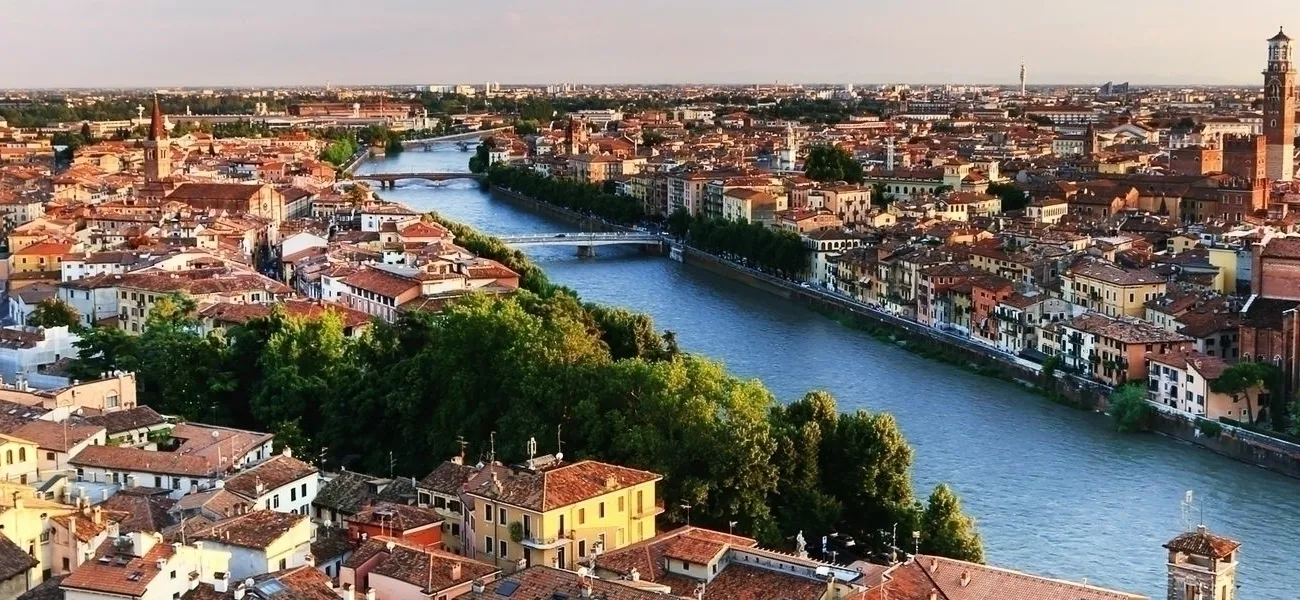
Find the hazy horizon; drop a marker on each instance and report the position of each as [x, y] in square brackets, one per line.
[242, 43]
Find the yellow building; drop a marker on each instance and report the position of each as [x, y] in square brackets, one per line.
[547, 515]
[1111, 289]
[25, 521]
[19, 459]
[41, 256]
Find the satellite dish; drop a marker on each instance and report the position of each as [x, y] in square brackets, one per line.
[583, 572]
[559, 456]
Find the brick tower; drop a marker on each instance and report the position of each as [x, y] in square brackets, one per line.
[157, 149]
[1202, 566]
[1279, 108]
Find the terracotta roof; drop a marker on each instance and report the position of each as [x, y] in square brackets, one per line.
[1278, 247]
[214, 191]
[278, 471]
[122, 574]
[397, 517]
[123, 458]
[684, 543]
[560, 486]
[238, 313]
[380, 282]
[431, 571]
[157, 125]
[256, 529]
[447, 478]
[60, 437]
[126, 420]
[1114, 274]
[348, 492]
[1203, 543]
[739, 580]
[218, 445]
[13, 560]
[953, 579]
[50, 589]
[547, 582]
[216, 501]
[142, 509]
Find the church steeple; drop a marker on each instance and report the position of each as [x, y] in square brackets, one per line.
[157, 149]
[157, 125]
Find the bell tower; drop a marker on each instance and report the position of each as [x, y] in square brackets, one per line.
[1202, 566]
[157, 149]
[1279, 108]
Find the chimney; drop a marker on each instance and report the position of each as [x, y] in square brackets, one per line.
[477, 586]
[370, 593]
[287, 452]
[934, 565]
[97, 515]
[220, 583]
[240, 591]
[965, 578]
[455, 572]
[634, 575]
[194, 580]
[348, 592]
[310, 559]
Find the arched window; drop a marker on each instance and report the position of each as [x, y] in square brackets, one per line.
[9, 457]
[22, 455]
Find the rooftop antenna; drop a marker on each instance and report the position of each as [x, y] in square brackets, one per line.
[687, 508]
[460, 439]
[492, 447]
[1187, 505]
[391, 464]
[559, 444]
[532, 450]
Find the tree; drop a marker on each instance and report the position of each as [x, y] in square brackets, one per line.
[526, 127]
[678, 223]
[1241, 378]
[87, 137]
[481, 159]
[358, 194]
[872, 465]
[650, 138]
[828, 163]
[53, 312]
[1013, 198]
[946, 531]
[1129, 408]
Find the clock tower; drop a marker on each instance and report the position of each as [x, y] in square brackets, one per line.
[1279, 108]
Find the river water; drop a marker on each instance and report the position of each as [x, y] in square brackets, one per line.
[1055, 491]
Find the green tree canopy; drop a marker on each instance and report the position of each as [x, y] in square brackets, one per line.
[1129, 408]
[1240, 379]
[828, 163]
[53, 312]
[946, 531]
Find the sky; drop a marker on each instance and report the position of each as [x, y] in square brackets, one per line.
[171, 43]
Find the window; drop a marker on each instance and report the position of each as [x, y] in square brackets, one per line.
[501, 514]
[582, 516]
[22, 455]
[304, 490]
[157, 481]
[439, 502]
[176, 483]
[110, 400]
[455, 529]
[49, 456]
[487, 516]
[582, 549]
[67, 564]
[284, 563]
[453, 506]
[275, 501]
[502, 545]
[601, 510]
[173, 574]
[9, 457]
[293, 494]
[487, 545]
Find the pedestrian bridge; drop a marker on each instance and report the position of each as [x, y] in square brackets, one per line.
[586, 242]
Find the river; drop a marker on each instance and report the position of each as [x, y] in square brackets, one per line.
[1055, 491]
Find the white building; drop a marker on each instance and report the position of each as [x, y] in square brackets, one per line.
[282, 483]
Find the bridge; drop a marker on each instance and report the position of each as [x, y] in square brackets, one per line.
[587, 242]
[389, 180]
[469, 135]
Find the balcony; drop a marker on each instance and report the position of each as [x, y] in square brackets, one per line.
[653, 510]
[541, 543]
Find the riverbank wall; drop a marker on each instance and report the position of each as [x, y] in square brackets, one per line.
[1243, 445]
[587, 223]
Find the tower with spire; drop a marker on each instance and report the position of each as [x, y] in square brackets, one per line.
[157, 148]
[1279, 108]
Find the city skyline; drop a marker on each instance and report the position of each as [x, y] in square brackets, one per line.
[153, 43]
